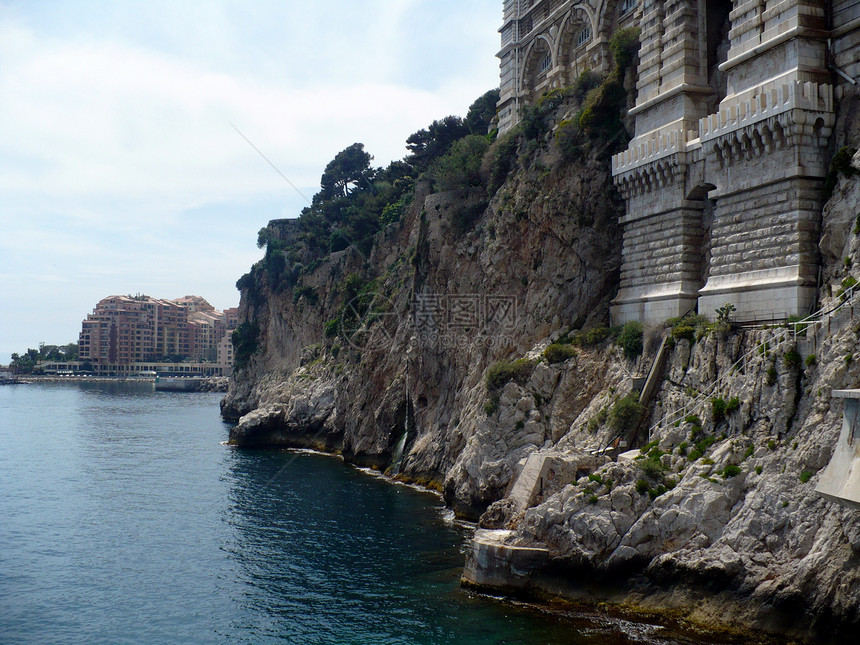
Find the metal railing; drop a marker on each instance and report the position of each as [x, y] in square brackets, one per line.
[820, 319]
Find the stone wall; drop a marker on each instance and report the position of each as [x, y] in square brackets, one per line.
[736, 102]
[734, 114]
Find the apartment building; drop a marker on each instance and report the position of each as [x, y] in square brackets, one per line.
[126, 330]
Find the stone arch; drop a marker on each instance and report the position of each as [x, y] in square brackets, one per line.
[534, 70]
[568, 52]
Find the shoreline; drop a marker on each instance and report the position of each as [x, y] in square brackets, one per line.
[209, 384]
[680, 608]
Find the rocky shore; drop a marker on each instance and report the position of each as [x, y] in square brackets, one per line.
[521, 420]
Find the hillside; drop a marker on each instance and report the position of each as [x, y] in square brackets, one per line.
[447, 317]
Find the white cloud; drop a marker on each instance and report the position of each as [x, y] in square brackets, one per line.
[118, 162]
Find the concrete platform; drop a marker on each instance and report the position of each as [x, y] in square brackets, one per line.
[840, 481]
[492, 564]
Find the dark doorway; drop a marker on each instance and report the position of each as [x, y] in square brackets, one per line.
[718, 26]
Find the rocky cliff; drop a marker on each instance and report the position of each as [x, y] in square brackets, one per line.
[472, 334]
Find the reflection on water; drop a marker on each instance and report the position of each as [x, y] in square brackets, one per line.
[124, 519]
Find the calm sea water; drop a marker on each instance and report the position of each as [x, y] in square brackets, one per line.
[123, 519]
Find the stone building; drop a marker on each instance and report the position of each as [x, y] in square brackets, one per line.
[547, 44]
[735, 106]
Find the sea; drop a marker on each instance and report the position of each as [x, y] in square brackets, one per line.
[125, 518]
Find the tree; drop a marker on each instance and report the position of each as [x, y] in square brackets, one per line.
[429, 144]
[482, 112]
[26, 363]
[348, 172]
[461, 167]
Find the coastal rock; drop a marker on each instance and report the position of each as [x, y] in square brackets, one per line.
[723, 521]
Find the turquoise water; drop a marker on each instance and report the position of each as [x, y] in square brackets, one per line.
[123, 519]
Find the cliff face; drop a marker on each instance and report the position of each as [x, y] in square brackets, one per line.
[458, 284]
[718, 521]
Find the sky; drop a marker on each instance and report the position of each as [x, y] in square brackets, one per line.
[121, 168]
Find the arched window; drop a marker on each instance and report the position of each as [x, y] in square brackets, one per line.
[584, 36]
[627, 6]
[546, 63]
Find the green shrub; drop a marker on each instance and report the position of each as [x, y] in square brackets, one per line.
[731, 470]
[656, 492]
[771, 376]
[626, 413]
[332, 327]
[733, 405]
[704, 444]
[491, 406]
[308, 293]
[685, 332]
[841, 163]
[596, 335]
[642, 487]
[847, 284]
[693, 419]
[718, 409]
[771, 444]
[758, 470]
[501, 373]
[791, 359]
[695, 431]
[570, 140]
[502, 155]
[246, 341]
[695, 455]
[558, 353]
[805, 476]
[652, 468]
[624, 46]
[592, 499]
[749, 452]
[630, 338]
[644, 450]
[594, 477]
[682, 448]
[811, 360]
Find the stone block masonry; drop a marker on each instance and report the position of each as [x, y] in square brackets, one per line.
[733, 120]
[723, 177]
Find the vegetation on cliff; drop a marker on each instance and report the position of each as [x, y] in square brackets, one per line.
[719, 498]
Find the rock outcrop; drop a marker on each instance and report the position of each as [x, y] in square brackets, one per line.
[477, 345]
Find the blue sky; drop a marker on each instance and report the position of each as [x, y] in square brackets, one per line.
[120, 172]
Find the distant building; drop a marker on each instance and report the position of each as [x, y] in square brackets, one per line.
[124, 332]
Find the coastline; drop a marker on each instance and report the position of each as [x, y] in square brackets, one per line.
[553, 588]
[210, 384]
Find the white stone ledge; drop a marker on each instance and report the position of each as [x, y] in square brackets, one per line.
[769, 102]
